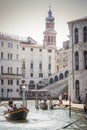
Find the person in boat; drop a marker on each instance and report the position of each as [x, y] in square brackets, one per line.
[60, 100]
[10, 103]
[10, 108]
[45, 103]
[14, 107]
[21, 106]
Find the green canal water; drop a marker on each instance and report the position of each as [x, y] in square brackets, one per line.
[54, 119]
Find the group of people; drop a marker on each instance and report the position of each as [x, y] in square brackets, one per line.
[13, 106]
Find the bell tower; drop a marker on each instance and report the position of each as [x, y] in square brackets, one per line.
[50, 33]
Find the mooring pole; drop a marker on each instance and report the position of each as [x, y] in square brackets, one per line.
[70, 106]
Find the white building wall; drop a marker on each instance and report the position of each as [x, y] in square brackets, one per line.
[36, 56]
[14, 63]
[79, 75]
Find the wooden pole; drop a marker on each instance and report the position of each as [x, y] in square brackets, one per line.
[23, 96]
[36, 102]
[70, 106]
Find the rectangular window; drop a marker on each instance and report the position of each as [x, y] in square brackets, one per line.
[17, 57]
[10, 56]
[49, 66]
[17, 70]
[17, 46]
[31, 66]
[31, 49]
[40, 74]
[9, 70]
[10, 82]
[2, 43]
[1, 55]
[1, 69]
[2, 82]
[10, 45]
[17, 90]
[17, 82]
[31, 74]
[23, 48]
[49, 50]
[40, 66]
[40, 50]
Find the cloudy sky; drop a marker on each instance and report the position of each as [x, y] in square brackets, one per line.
[27, 17]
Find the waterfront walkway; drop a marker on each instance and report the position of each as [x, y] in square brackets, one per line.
[74, 106]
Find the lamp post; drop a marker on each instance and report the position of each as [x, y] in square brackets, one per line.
[23, 87]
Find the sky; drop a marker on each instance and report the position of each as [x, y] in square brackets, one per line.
[27, 17]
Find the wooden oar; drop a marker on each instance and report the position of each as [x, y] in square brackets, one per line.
[72, 123]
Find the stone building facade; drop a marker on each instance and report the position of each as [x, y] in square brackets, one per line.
[62, 57]
[26, 61]
[78, 58]
[10, 62]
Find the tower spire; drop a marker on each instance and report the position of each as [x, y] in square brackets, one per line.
[49, 7]
[50, 33]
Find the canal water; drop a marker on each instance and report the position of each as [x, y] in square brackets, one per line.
[54, 119]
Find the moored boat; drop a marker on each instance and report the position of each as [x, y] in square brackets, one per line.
[18, 114]
[43, 105]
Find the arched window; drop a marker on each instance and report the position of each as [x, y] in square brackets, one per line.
[76, 35]
[76, 61]
[77, 89]
[85, 34]
[51, 80]
[85, 59]
[56, 78]
[61, 76]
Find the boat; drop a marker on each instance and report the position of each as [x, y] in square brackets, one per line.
[18, 114]
[43, 105]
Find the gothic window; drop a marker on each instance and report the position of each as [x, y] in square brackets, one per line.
[76, 35]
[85, 34]
[77, 88]
[85, 59]
[76, 61]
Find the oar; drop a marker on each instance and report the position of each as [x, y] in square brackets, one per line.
[72, 123]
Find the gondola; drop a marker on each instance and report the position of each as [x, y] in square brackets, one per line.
[18, 114]
[43, 106]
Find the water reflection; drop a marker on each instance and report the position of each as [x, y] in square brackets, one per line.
[44, 120]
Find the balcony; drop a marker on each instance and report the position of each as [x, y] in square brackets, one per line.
[10, 75]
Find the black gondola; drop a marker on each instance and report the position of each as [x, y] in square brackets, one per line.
[18, 114]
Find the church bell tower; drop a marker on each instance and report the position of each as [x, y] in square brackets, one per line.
[50, 33]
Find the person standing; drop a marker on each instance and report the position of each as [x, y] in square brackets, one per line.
[10, 103]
